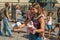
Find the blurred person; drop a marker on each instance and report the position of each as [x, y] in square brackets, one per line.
[18, 16]
[13, 9]
[18, 13]
[6, 18]
[49, 23]
[38, 22]
[29, 15]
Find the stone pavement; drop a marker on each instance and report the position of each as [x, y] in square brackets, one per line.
[23, 35]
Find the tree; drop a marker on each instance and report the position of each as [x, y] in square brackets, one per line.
[42, 3]
[33, 1]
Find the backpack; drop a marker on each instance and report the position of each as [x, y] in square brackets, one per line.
[2, 15]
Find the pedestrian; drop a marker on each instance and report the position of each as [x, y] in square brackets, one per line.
[49, 23]
[38, 22]
[6, 20]
[18, 13]
[13, 9]
[18, 16]
[29, 13]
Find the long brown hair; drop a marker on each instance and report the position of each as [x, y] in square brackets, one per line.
[37, 6]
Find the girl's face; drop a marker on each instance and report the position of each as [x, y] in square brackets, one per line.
[18, 6]
[34, 10]
[50, 14]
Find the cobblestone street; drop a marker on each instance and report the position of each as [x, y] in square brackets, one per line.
[23, 35]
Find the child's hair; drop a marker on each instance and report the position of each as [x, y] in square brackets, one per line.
[49, 13]
[37, 6]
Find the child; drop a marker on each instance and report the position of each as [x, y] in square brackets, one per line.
[49, 24]
[17, 26]
[18, 16]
